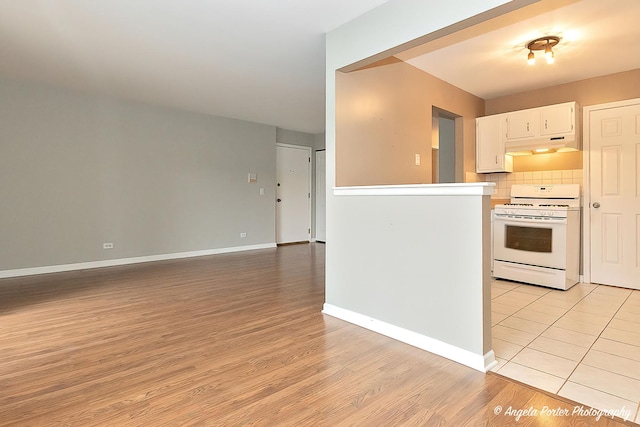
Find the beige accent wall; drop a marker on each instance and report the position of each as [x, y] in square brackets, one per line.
[598, 90]
[384, 118]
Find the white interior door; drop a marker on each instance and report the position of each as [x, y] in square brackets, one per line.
[321, 192]
[293, 194]
[614, 135]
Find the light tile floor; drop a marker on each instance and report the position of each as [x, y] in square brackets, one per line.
[582, 344]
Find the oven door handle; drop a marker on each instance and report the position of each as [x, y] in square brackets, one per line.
[506, 218]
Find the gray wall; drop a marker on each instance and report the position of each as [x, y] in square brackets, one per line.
[318, 144]
[319, 141]
[447, 152]
[286, 136]
[77, 171]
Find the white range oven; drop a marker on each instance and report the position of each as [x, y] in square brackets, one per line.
[536, 237]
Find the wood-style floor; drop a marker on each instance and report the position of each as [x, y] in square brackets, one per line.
[226, 340]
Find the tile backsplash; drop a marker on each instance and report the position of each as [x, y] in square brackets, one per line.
[504, 181]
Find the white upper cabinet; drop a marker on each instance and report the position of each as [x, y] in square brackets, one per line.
[557, 119]
[535, 130]
[490, 151]
[552, 120]
[550, 128]
[521, 124]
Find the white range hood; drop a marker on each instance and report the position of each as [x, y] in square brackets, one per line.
[561, 143]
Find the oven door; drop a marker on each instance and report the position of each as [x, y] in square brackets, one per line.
[540, 242]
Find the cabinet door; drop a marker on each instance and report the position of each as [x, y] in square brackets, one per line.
[521, 124]
[557, 119]
[490, 150]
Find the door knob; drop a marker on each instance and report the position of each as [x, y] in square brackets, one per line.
[279, 200]
[596, 205]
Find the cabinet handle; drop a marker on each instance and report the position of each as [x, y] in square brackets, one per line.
[527, 126]
[496, 159]
[545, 124]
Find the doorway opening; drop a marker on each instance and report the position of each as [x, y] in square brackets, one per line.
[446, 147]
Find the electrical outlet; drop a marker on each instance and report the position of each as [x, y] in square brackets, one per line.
[107, 246]
[243, 235]
[417, 159]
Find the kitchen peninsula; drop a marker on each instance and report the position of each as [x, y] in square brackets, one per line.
[397, 258]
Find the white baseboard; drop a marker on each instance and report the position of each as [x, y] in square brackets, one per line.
[479, 362]
[123, 261]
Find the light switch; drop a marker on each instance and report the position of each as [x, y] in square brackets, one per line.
[253, 178]
[262, 191]
[417, 159]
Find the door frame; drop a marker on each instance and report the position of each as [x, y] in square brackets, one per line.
[309, 206]
[315, 195]
[586, 179]
[458, 140]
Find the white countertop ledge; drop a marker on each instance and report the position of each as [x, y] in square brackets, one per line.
[456, 189]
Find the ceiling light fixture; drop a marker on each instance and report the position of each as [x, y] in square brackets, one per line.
[543, 43]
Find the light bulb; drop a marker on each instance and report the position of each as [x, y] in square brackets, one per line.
[531, 59]
[550, 57]
[548, 53]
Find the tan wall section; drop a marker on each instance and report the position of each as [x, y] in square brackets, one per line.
[598, 90]
[384, 118]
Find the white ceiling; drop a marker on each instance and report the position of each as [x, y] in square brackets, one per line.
[263, 61]
[597, 38]
[255, 60]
